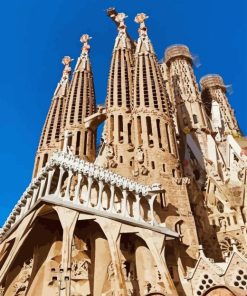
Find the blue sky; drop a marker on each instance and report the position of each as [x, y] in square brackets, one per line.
[35, 35]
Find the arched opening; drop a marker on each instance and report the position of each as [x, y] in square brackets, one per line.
[54, 180]
[131, 204]
[138, 267]
[145, 209]
[90, 260]
[64, 183]
[83, 190]
[106, 195]
[32, 266]
[219, 291]
[94, 194]
[118, 200]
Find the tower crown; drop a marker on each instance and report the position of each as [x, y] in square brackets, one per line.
[177, 50]
[62, 85]
[212, 80]
[143, 43]
[83, 62]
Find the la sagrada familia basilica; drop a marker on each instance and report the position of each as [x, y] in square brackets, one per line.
[159, 208]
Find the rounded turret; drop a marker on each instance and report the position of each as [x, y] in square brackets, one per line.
[178, 50]
[212, 80]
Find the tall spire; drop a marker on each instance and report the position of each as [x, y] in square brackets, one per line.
[80, 104]
[51, 134]
[118, 138]
[149, 89]
[217, 106]
[154, 128]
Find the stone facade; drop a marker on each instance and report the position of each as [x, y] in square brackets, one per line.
[159, 209]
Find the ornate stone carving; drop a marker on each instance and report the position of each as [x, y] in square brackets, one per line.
[21, 284]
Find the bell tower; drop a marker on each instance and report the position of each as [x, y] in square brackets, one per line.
[50, 139]
[217, 106]
[153, 122]
[79, 105]
[116, 152]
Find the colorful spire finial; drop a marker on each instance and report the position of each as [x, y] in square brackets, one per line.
[66, 62]
[140, 19]
[84, 39]
[120, 17]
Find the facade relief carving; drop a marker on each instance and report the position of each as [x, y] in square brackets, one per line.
[22, 281]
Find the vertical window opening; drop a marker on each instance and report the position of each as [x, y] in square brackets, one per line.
[121, 159]
[85, 144]
[195, 119]
[149, 131]
[78, 139]
[129, 133]
[37, 167]
[120, 128]
[168, 138]
[139, 128]
[45, 160]
[153, 165]
[111, 127]
[158, 132]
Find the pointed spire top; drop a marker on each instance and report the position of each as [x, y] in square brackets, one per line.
[67, 69]
[120, 17]
[84, 39]
[140, 19]
[143, 44]
[61, 87]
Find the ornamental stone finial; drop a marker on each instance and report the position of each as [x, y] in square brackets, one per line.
[140, 19]
[120, 17]
[84, 39]
[66, 62]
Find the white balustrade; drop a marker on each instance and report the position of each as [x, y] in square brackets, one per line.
[86, 174]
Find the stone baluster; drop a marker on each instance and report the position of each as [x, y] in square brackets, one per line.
[67, 191]
[17, 211]
[151, 205]
[124, 205]
[48, 187]
[28, 204]
[35, 194]
[138, 212]
[101, 187]
[111, 207]
[77, 189]
[60, 178]
[42, 186]
[88, 197]
[23, 202]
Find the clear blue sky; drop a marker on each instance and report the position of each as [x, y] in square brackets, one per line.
[35, 35]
